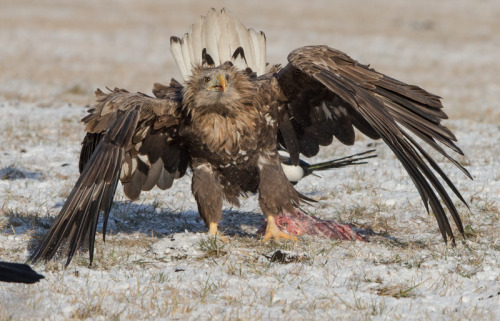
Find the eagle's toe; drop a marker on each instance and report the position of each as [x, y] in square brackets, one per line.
[273, 232]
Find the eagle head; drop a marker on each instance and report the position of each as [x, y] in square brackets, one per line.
[216, 81]
[216, 89]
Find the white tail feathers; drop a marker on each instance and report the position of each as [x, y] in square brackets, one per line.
[219, 37]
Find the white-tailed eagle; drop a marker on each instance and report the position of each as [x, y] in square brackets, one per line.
[227, 119]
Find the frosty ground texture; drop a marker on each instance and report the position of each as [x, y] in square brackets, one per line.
[158, 263]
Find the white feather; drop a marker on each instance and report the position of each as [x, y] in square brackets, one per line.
[233, 40]
[223, 43]
[261, 68]
[188, 47]
[221, 34]
[293, 173]
[196, 41]
[176, 50]
[255, 46]
[232, 37]
[211, 31]
[239, 62]
[185, 53]
[245, 43]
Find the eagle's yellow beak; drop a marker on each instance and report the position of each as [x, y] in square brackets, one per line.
[221, 83]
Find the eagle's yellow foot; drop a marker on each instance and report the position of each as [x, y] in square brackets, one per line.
[212, 230]
[273, 232]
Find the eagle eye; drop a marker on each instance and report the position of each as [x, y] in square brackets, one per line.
[207, 79]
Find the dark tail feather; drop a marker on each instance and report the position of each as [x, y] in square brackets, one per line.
[18, 273]
[340, 162]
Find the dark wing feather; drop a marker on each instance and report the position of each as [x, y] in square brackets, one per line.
[112, 150]
[18, 273]
[320, 79]
[89, 145]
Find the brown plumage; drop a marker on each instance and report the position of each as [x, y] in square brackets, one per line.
[225, 124]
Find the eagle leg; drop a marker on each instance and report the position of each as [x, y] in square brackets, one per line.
[212, 230]
[276, 194]
[273, 232]
[208, 194]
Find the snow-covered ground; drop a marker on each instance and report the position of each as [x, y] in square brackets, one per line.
[158, 263]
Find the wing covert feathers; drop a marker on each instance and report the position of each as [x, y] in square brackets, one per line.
[380, 107]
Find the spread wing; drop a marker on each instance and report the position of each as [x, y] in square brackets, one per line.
[329, 94]
[131, 137]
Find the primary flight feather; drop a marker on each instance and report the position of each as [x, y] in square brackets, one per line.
[226, 121]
